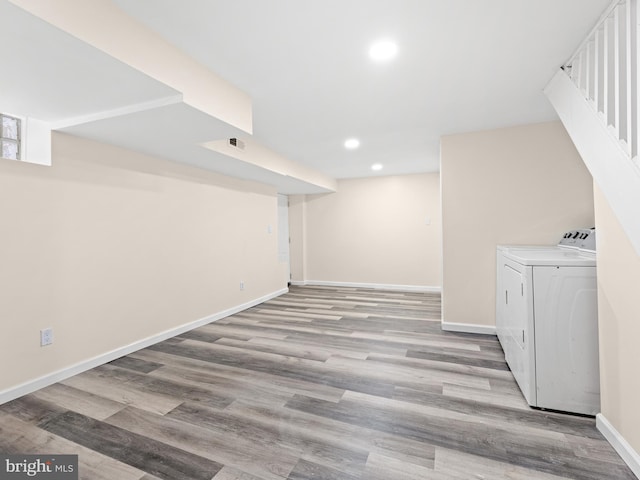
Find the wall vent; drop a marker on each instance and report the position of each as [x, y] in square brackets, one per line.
[234, 142]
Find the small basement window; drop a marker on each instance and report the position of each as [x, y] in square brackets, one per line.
[10, 137]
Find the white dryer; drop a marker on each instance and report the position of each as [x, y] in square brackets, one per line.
[547, 321]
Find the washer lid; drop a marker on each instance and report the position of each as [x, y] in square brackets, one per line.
[553, 256]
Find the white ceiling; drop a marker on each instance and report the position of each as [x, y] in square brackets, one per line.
[463, 65]
[48, 74]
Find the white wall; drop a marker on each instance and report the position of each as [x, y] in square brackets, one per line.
[371, 231]
[109, 247]
[519, 185]
[297, 234]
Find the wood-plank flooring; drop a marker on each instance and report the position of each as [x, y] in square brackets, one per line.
[320, 383]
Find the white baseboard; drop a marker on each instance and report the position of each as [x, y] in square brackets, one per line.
[620, 445]
[469, 328]
[51, 378]
[377, 286]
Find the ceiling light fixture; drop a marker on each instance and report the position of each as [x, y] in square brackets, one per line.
[376, 166]
[351, 144]
[383, 50]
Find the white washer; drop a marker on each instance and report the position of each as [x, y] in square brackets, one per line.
[547, 324]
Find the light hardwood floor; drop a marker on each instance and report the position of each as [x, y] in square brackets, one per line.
[320, 383]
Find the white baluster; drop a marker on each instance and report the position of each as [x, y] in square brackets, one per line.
[596, 69]
[635, 110]
[583, 72]
[589, 70]
[606, 69]
[628, 78]
[576, 71]
[616, 71]
[606, 60]
[622, 83]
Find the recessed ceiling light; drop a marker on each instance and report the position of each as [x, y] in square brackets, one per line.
[376, 166]
[383, 50]
[351, 144]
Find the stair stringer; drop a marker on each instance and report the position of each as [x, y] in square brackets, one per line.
[609, 164]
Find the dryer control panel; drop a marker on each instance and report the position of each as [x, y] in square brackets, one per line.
[582, 239]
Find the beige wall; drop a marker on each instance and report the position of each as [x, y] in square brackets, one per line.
[371, 231]
[520, 185]
[109, 247]
[619, 324]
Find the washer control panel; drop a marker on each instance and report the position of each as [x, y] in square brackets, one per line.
[582, 239]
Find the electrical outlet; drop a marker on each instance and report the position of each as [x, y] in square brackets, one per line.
[241, 284]
[46, 336]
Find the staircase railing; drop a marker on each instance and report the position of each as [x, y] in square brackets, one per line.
[596, 96]
[605, 69]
